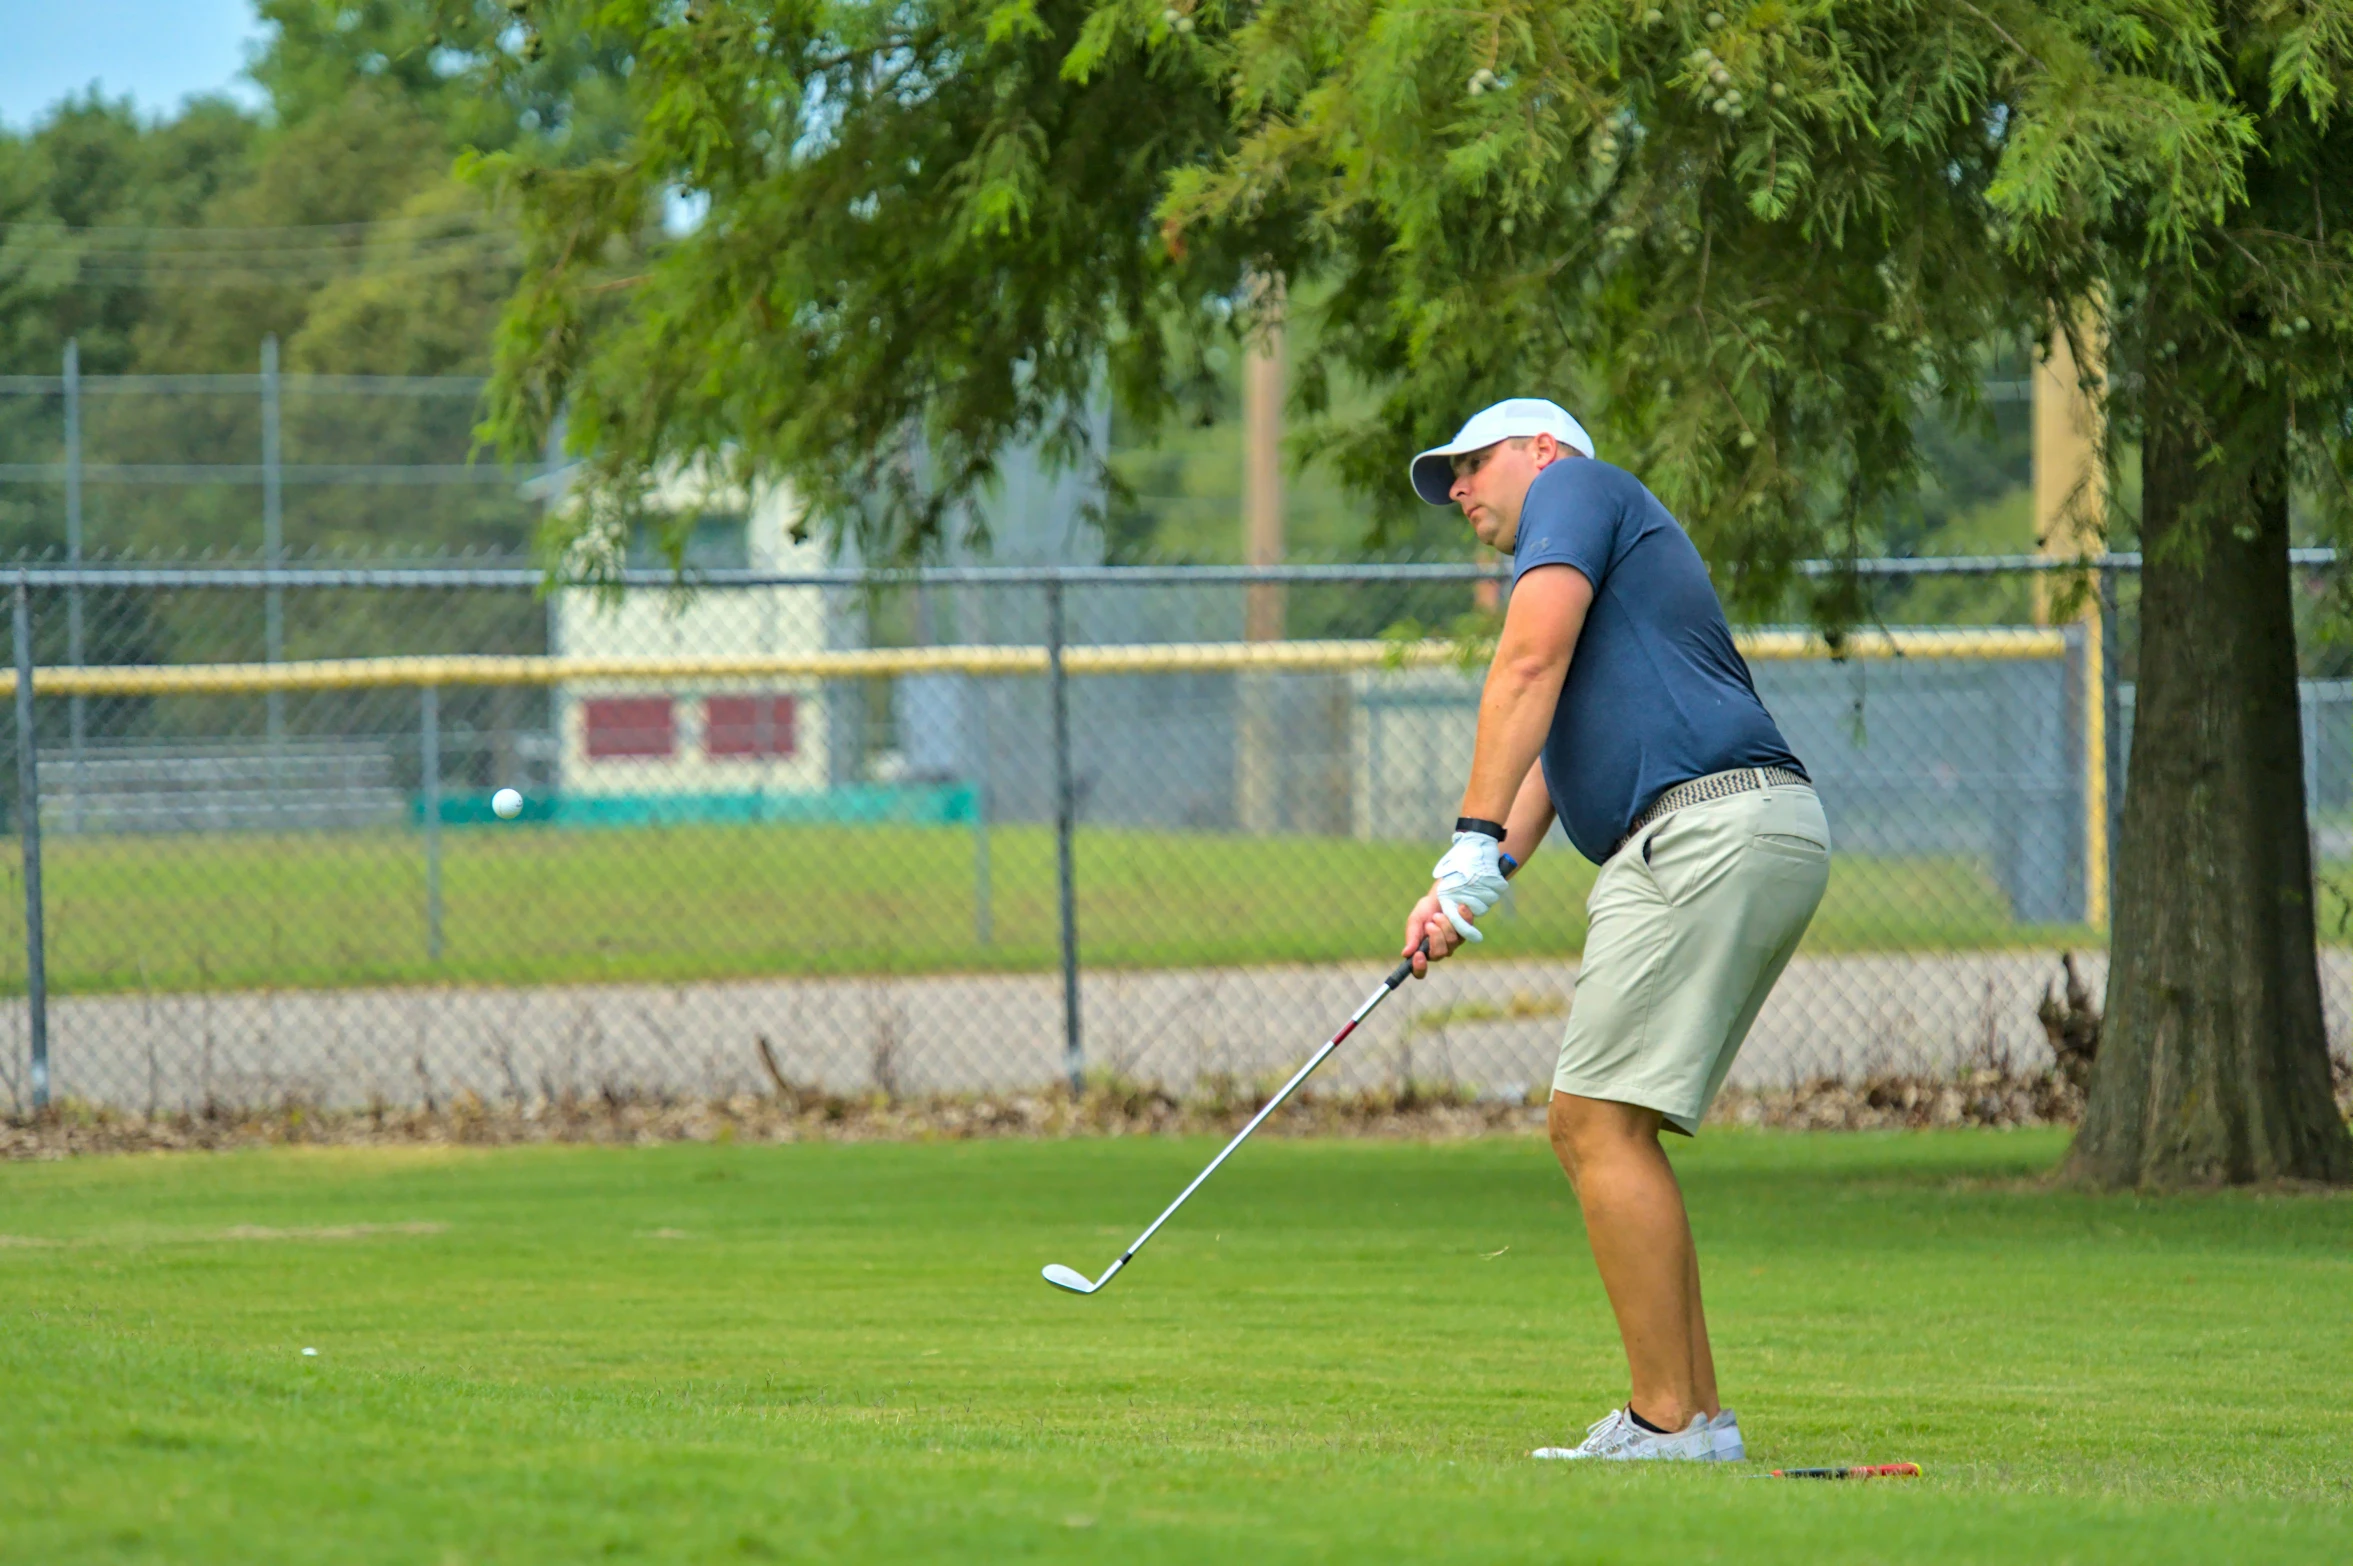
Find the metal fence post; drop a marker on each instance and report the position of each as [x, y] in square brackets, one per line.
[2082, 895]
[28, 821]
[977, 741]
[2112, 724]
[429, 761]
[74, 653]
[273, 548]
[1074, 1057]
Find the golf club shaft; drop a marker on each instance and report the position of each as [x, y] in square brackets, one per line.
[1397, 976]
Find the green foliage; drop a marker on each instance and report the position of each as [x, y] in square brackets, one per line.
[301, 222]
[1746, 246]
[1176, 471]
[924, 239]
[465, 66]
[2172, 171]
[1750, 240]
[179, 244]
[92, 165]
[1764, 233]
[333, 220]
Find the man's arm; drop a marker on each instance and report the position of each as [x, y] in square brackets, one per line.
[1530, 818]
[1540, 632]
[1540, 629]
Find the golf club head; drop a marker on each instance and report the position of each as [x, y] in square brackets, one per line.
[1064, 1278]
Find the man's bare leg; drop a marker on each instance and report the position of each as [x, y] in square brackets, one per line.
[1641, 1239]
[1703, 1358]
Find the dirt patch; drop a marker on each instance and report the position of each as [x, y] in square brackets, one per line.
[791, 1114]
[1979, 1098]
[335, 1231]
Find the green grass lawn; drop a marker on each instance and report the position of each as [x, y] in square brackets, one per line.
[1339, 1352]
[533, 904]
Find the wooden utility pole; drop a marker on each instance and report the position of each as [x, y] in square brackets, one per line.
[2070, 482]
[1262, 468]
[1257, 750]
[2070, 506]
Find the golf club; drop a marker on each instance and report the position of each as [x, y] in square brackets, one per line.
[1077, 1283]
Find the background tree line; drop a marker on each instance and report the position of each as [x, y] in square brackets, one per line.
[332, 218]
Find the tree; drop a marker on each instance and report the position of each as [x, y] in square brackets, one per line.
[2233, 315]
[80, 197]
[333, 220]
[1753, 239]
[921, 230]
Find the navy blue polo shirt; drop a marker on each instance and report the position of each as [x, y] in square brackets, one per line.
[1656, 693]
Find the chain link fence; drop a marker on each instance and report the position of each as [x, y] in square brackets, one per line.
[958, 830]
[278, 465]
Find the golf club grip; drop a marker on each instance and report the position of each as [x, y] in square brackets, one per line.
[1404, 970]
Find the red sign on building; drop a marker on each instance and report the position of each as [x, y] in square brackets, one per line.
[749, 726]
[631, 726]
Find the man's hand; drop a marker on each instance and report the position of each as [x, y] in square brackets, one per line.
[1530, 819]
[1469, 881]
[1427, 928]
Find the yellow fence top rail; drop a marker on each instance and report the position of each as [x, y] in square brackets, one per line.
[1160, 658]
[1935, 641]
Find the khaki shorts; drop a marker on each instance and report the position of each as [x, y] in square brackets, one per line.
[1691, 922]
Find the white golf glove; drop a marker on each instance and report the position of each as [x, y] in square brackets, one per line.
[1469, 877]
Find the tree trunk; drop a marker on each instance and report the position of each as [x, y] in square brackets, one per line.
[2213, 1068]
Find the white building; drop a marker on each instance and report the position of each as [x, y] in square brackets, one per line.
[737, 749]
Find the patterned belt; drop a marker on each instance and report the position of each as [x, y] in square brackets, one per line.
[1716, 785]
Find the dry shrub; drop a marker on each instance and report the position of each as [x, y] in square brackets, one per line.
[1984, 1097]
[793, 1114]
[1989, 1095]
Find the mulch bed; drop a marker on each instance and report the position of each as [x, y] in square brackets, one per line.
[1982, 1098]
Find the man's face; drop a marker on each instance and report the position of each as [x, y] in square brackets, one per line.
[1490, 484]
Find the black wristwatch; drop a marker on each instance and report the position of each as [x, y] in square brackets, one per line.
[1493, 829]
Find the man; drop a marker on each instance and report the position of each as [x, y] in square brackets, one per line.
[1617, 701]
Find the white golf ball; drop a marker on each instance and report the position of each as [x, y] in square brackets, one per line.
[507, 804]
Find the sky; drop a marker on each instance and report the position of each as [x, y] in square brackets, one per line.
[156, 51]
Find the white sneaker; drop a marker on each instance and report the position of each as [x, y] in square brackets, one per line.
[1617, 1438]
[1724, 1430]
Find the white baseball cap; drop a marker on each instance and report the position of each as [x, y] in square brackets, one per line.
[1433, 470]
